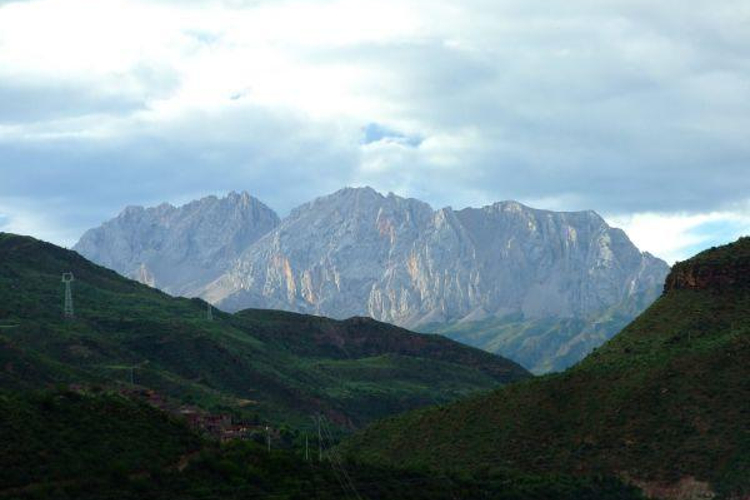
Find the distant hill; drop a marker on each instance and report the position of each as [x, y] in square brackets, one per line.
[543, 288]
[277, 366]
[666, 403]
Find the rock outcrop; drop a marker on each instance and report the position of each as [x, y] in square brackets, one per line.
[713, 269]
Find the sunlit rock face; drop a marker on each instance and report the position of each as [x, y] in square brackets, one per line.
[179, 249]
[357, 252]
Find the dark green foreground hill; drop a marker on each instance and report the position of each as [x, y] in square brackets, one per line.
[64, 445]
[666, 403]
[275, 366]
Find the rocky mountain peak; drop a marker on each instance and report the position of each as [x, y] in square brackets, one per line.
[357, 252]
[179, 249]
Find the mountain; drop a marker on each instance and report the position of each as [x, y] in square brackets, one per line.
[179, 249]
[357, 252]
[541, 287]
[663, 404]
[281, 367]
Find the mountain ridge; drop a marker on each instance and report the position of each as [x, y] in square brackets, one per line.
[357, 252]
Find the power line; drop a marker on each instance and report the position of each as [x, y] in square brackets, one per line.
[336, 462]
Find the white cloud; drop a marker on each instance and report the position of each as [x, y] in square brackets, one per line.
[19, 217]
[678, 236]
[624, 106]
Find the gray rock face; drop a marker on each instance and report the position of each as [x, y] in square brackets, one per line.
[179, 249]
[359, 253]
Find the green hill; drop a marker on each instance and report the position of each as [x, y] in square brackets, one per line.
[665, 403]
[276, 366]
[93, 446]
[54, 436]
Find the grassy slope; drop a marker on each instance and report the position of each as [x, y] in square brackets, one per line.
[666, 398]
[282, 367]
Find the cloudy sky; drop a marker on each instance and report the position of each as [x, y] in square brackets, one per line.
[637, 109]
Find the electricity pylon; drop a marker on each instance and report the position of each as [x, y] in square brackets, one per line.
[68, 278]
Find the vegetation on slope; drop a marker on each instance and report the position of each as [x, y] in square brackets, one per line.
[541, 345]
[281, 368]
[54, 436]
[84, 446]
[666, 399]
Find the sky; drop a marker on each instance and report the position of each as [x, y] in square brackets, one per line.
[636, 109]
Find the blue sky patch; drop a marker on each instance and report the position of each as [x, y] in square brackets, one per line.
[374, 132]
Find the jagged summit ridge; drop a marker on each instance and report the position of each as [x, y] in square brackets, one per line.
[179, 249]
[358, 252]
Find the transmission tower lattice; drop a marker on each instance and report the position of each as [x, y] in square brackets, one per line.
[68, 278]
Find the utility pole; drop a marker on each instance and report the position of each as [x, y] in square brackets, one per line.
[307, 449]
[209, 312]
[68, 278]
[268, 438]
[320, 441]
